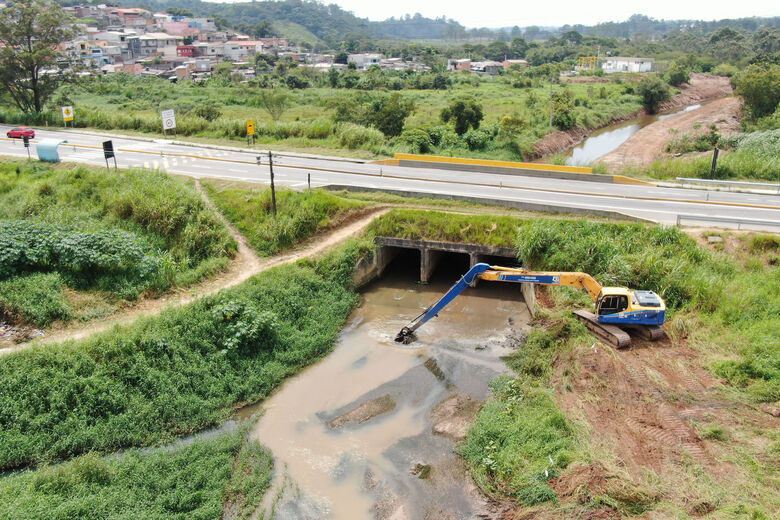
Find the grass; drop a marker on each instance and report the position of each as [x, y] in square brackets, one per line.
[300, 215]
[447, 227]
[116, 234]
[174, 373]
[726, 307]
[188, 482]
[133, 104]
[745, 156]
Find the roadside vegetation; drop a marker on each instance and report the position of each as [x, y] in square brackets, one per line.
[749, 155]
[198, 480]
[447, 227]
[74, 239]
[726, 307]
[174, 373]
[300, 214]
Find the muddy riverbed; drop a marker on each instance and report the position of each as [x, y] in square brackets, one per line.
[370, 431]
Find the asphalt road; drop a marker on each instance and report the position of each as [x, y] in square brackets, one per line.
[661, 204]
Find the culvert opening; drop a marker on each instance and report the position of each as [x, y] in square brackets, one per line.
[448, 266]
[405, 263]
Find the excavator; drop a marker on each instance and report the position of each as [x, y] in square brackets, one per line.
[617, 309]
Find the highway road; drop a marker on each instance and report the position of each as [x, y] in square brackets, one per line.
[661, 204]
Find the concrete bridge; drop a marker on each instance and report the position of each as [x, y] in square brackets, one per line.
[432, 253]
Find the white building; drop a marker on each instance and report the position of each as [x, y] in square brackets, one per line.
[363, 61]
[622, 64]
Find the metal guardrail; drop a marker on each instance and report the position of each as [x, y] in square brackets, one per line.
[732, 183]
[730, 220]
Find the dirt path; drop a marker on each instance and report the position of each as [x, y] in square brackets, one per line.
[649, 143]
[245, 264]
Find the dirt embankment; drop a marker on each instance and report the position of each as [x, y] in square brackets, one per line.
[702, 87]
[649, 143]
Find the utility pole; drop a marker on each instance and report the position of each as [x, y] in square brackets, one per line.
[273, 189]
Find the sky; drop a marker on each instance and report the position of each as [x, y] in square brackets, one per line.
[507, 13]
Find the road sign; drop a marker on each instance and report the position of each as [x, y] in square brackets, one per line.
[250, 128]
[168, 119]
[67, 113]
[108, 149]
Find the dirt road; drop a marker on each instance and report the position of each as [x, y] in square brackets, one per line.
[649, 143]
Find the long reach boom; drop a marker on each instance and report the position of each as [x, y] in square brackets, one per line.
[643, 311]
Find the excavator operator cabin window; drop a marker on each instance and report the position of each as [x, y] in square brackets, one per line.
[613, 304]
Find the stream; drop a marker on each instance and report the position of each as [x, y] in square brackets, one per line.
[603, 141]
[370, 430]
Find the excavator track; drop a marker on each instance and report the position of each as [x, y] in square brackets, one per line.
[649, 332]
[609, 334]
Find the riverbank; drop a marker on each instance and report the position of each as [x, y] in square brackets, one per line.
[701, 88]
[649, 143]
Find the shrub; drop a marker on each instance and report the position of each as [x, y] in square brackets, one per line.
[170, 374]
[677, 75]
[208, 112]
[418, 140]
[653, 91]
[37, 299]
[354, 136]
[476, 139]
[759, 86]
[724, 69]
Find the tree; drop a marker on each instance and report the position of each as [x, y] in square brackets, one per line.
[563, 108]
[759, 86]
[341, 58]
[31, 64]
[465, 113]
[654, 91]
[389, 114]
[274, 102]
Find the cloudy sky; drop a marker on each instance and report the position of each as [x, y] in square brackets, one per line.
[507, 13]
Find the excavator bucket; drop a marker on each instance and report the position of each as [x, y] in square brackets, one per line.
[406, 336]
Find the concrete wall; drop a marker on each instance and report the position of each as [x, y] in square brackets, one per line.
[527, 206]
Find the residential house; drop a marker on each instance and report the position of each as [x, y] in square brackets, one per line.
[459, 64]
[486, 67]
[363, 61]
[239, 49]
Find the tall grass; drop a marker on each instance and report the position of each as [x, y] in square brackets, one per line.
[188, 482]
[174, 373]
[754, 155]
[121, 233]
[742, 303]
[300, 214]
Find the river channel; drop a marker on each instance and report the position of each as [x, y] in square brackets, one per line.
[370, 430]
[603, 141]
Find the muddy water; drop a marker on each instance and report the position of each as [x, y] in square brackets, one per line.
[603, 141]
[353, 435]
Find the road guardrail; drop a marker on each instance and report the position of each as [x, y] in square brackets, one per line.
[730, 220]
[732, 183]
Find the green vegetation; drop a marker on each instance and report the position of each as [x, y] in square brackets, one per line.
[759, 86]
[751, 155]
[174, 373]
[355, 114]
[300, 215]
[726, 308]
[187, 482]
[114, 234]
[428, 225]
[654, 92]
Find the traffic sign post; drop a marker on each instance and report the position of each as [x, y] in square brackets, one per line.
[67, 114]
[271, 168]
[108, 153]
[26, 144]
[168, 121]
[250, 132]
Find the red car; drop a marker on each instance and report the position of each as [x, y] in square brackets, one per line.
[19, 132]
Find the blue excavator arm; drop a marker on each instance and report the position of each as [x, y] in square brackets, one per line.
[407, 333]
